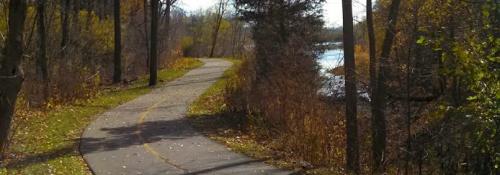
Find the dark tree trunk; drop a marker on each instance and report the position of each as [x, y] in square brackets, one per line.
[41, 61]
[153, 65]
[146, 32]
[117, 74]
[64, 25]
[90, 9]
[351, 92]
[409, 67]
[76, 15]
[11, 76]
[167, 23]
[379, 103]
[168, 11]
[373, 74]
[219, 16]
[373, 51]
[234, 39]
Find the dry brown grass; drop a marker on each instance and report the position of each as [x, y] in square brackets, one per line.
[282, 121]
[362, 64]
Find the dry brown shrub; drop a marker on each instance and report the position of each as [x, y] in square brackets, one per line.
[285, 109]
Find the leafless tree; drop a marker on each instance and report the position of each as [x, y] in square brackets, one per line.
[379, 100]
[11, 76]
[219, 16]
[117, 75]
[65, 7]
[153, 63]
[351, 92]
[41, 61]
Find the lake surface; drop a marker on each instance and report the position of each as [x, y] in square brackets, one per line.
[331, 59]
[335, 85]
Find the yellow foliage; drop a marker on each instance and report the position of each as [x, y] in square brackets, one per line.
[131, 6]
[3, 28]
[101, 30]
[187, 42]
[225, 25]
[362, 57]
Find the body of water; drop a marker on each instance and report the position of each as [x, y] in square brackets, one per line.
[331, 59]
[334, 85]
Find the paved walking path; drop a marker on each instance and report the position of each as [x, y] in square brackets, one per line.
[150, 134]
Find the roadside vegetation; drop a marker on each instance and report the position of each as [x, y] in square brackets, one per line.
[428, 71]
[213, 115]
[80, 58]
[46, 141]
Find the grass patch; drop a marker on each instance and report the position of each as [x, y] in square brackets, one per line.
[212, 100]
[46, 142]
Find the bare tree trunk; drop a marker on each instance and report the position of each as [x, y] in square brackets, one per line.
[409, 68]
[76, 18]
[76, 30]
[379, 119]
[219, 16]
[64, 26]
[11, 76]
[373, 51]
[167, 23]
[90, 9]
[168, 11]
[117, 74]
[41, 61]
[408, 112]
[146, 32]
[373, 75]
[236, 39]
[103, 9]
[351, 92]
[153, 65]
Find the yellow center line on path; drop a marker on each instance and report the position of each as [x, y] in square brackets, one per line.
[146, 146]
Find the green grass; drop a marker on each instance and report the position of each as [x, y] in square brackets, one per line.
[46, 142]
[212, 100]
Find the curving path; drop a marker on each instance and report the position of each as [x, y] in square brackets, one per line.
[150, 135]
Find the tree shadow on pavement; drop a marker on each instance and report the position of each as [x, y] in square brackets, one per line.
[117, 138]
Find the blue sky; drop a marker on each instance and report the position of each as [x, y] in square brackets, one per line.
[332, 9]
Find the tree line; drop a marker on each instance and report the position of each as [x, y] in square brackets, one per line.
[80, 40]
[59, 51]
[432, 64]
[433, 86]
